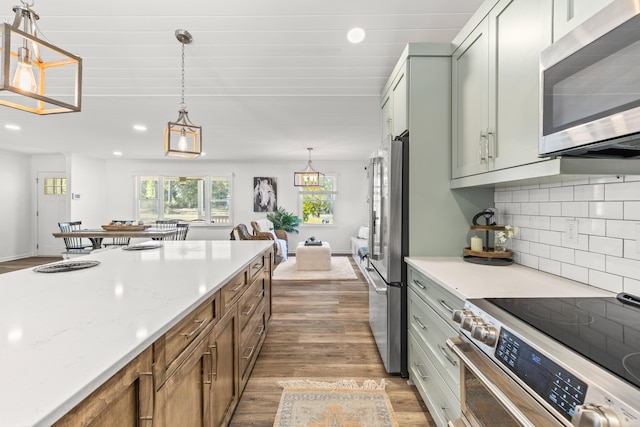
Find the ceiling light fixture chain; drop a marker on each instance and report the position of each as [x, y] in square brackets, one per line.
[188, 137]
[309, 176]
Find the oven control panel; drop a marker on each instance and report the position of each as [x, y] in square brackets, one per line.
[562, 388]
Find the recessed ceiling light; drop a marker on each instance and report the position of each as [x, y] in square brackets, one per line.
[356, 35]
[12, 127]
[140, 128]
[117, 153]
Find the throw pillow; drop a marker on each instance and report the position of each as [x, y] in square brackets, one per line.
[363, 233]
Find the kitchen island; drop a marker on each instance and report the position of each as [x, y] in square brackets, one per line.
[65, 334]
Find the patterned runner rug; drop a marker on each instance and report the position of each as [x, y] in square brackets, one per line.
[307, 403]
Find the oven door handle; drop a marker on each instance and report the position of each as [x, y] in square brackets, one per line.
[456, 345]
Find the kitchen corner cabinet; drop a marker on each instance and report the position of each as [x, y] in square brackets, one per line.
[568, 14]
[495, 74]
[125, 400]
[433, 368]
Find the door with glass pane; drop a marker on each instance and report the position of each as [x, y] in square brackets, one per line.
[51, 209]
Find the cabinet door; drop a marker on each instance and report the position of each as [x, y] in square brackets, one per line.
[124, 400]
[399, 121]
[470, 102]
[568, 14]
[184, 397]
[386, 115]
[519, 30]
[223, 347]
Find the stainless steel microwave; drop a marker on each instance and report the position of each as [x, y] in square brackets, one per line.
[590, 87]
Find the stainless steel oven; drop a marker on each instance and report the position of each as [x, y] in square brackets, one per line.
[549, 362]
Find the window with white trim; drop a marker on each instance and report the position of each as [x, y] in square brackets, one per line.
[206, 199]
[317, 204]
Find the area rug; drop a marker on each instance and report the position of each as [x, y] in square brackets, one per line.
[307, 403]
[340, 270]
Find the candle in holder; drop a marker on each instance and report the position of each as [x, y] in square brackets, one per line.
[476, 244]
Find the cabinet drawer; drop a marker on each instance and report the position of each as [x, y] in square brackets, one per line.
[191, 328]
[443, 403]
[250, 341]
[257, 267]
[442, 301]
[432, 332]
[250, 301]
[233, 289]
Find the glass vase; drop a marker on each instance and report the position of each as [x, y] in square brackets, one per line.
[500, 244]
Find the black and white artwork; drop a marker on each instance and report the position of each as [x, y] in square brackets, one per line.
[265, 192]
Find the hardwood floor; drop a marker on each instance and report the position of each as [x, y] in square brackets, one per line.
[320, 331]
[19, 264]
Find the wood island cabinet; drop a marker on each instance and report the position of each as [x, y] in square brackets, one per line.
[194, 374]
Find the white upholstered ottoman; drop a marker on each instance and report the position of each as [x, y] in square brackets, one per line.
[313, 257]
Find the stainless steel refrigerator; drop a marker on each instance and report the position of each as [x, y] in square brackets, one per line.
[388, 245]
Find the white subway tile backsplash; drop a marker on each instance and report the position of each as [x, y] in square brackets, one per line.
[580, 209]
[622, 191]
[551, 208]
[550, 237]
[588, 192]
[561, 194]
[540, 222]
[606, 210]
[539, 195]
[520, 196]
[621, 229]
[530, 208]
[631, 286]
[591, 260]
[529, 261]
[606, 245]
[632, 211]
[630, 249]
[607, 281]
[574, 272]
[623, 267]
[550, 266]
[564, 255]
[597, 227]
[539, 249]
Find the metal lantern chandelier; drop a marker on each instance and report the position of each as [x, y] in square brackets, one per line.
[309, 177]
[182, 138]
[35, 75]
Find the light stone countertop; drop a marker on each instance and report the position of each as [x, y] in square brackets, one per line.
[63, 334]
[467, 280]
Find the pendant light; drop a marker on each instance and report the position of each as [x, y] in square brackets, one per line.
[309, 177]
[35, 75]
[182, 138]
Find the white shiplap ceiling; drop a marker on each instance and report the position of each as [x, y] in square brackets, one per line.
[264, 78]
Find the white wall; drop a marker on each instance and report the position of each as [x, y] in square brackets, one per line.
[608, 212]
[350, 211]
[17, 210]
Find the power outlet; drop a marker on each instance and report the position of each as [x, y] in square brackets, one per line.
[572, 231]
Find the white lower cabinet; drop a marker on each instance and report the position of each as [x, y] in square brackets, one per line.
[433, 368]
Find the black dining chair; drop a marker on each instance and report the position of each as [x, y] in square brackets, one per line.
[74, 245]
[118, 241]
[171, 224]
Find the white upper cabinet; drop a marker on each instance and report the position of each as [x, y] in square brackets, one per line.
[568, 14]
[495, 88]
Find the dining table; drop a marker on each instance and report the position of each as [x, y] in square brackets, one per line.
[97, 235]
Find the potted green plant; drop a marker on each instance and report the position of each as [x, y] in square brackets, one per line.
[283, 220]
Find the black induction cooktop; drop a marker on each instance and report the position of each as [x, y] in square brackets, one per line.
[604, 330]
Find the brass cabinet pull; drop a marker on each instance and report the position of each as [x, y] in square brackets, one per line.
[214, 372]
[207, 377]
[237, 288]
[250, 353]
[260, 293]
[248, 310]
[192, 333]
[261, 331]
